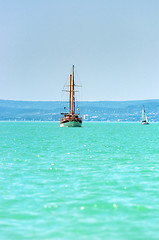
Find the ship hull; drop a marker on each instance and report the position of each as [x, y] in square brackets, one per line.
[145, 123]
[71, 124]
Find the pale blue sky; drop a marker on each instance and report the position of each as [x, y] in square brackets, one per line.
[113, 44]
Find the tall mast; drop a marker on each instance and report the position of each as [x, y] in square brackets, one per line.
[72, 89]
[73, 92]
[70, 95]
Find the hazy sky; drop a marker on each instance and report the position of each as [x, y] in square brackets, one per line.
[114, 45]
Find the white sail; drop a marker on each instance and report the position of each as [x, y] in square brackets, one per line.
[144, 117]
[143, 114]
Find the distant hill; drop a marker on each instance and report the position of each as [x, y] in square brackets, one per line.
[90, 111]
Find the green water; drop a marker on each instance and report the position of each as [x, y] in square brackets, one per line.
[100, 181]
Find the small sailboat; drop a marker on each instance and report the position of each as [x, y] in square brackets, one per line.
[71, 119]
[144, 117]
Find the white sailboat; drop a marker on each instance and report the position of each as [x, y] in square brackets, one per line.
[144, 117]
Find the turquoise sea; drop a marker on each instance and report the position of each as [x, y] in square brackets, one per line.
[100, 181]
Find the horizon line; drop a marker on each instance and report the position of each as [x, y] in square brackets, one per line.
[151, 99]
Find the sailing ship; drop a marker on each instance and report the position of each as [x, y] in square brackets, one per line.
[144, 117]
[71, 119]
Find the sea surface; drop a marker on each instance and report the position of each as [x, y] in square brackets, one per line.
[100, 181]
